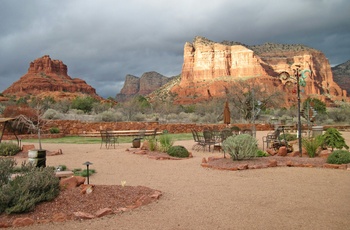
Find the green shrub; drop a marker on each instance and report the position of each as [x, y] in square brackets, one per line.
[288, 137]
[152, 144]
[6, 168]
[261, 153]
[333, 138]
[83, 173]
[165, 142]
[240, 147]
[54, 130]
[339, 157]
[9, 149]
[312, 144]
[25, 191]
[178, 151]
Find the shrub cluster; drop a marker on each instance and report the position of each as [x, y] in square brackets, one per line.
[241, 147]
[26, 190]
[9, 149]
[339, 157]
[178, 151]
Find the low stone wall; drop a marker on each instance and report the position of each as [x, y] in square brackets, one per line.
[79, 127]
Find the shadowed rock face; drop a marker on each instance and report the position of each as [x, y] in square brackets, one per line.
[147, 83]
[341, 75]
[46, 77]
[210, 70]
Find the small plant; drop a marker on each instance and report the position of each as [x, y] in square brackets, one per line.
[165, 142]
[152, 144]
[241, 147]
[54, 130]
[261, 153]
[288, 137]
[333, 138]
[178, 151]
[312, 144]
[339, 157]
[83, 173]
[9, 149]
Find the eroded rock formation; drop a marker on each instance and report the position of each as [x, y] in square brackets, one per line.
[147, 83]
[46, 77]
[210, 70]
[341, 75]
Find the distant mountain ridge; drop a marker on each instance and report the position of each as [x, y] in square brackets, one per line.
[341, 75]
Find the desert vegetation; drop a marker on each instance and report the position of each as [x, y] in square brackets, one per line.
[247, 104]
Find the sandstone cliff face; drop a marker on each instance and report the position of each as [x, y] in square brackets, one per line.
[210, 69]
[147, 83]
[341, 75]
[48, 77]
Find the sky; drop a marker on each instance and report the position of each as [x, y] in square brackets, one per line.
[102, 41]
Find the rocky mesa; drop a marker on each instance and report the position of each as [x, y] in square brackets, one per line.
[46, 77]
[210, 70]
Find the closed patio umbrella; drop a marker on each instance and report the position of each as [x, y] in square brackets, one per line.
[227, 114]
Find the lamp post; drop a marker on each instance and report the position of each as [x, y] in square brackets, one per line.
[87, 169]
[299, 79]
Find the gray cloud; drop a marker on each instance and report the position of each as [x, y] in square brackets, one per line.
[103, 41]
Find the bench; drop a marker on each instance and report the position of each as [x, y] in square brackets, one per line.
[121, 133]
[64, 174]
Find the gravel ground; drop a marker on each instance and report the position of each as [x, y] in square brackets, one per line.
[200, 198]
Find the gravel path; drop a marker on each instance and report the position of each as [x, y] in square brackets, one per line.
[199, 198]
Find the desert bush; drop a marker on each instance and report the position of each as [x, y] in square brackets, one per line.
[54, 130]
[178, 151]
[9, 149]
[339, 157]
[83, 172]
[83, 103]
[108, 116]
[261, 153]
[312, 144]
[25, 191]
[332, 138]
[241, 147]
[288, 137]
[152, 144]
[6, 168]
[165, 142]
[52, 114]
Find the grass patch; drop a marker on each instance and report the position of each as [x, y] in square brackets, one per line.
[97, 140]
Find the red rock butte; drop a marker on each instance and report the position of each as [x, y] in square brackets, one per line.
[46, 77]
[210, 69]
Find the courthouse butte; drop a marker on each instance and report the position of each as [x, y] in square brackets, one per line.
[210, 70]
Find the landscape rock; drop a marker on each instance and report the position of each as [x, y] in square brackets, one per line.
[282, 151]
[71, 182]
[104, 212]
[59, 217]
[22, 222]
[83, 215]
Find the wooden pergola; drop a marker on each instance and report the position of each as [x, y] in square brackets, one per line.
[4, 121]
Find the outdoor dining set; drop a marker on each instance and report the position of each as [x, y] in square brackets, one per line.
[214, 138]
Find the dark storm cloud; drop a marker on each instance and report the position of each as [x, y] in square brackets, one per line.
[103, 41]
